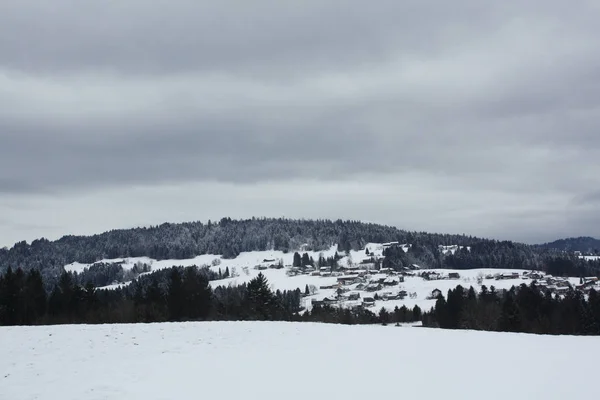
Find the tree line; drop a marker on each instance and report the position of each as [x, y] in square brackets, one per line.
[229, 238]
[175, 294]
[524, 308]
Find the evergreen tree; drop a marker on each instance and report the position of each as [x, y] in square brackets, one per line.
[261, 300]
[297, 263]
[175, 295]
[384, 316]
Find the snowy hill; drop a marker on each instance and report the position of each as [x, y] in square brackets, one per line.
[356, 283]
[292, 361]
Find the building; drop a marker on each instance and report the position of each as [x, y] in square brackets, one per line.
[368, 301]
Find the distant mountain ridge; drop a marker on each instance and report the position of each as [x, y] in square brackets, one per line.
[584, 244]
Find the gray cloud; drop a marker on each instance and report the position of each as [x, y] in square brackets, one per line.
[488, 100]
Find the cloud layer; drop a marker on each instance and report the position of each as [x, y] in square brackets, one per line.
[460, 112]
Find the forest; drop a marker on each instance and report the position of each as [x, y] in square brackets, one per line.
[230, 237]
[525, 308]
[175, 294]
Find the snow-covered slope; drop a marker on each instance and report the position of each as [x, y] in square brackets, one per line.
[324, 286]
[251, 360]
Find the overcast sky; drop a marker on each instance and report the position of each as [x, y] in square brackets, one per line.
[461, 117]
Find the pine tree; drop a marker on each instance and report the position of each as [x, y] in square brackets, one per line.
[305, 260]
[384, 316]
[9, 292]
[197, 294]
[297, 263]
[175, 295]
[416, 313]
[35, 297]
[261, 300]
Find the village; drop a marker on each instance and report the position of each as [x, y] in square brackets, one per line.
[365, 283]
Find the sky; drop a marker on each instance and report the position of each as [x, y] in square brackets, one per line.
[458, 117]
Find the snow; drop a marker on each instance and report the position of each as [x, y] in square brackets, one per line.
[243, 269]
[452, 248]
[246, 259]
[275, 360]
[421, 287]
[590, 258]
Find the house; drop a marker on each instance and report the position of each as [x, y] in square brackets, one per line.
[347, 280]
[354, 296]
[587, 285]
[373, 287]
[390, 282]
[562, 283]
[562, 289]
[368, 301]
[435, 293]
[453, 275]
[390, 296]
[328, 302]
[513, 275]
[402, 294]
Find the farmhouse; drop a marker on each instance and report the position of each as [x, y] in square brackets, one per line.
[373, 287]
[368, 301]
[354, 296]
[347, 280]
[391, 281]
[513, 275]
[328, 302]
[391, 296]
[453, 275]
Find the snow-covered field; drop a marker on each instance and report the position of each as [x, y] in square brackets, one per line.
[254, 360]
[244, 269]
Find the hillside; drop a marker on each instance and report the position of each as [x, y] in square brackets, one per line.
[585, 244]
[228, 238]
[291, 361]
[332, 282]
